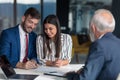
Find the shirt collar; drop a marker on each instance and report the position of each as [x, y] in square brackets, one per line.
[101, 36]
[22, 32]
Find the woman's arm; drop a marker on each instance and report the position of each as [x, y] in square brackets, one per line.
[66, 52]
[39, 49]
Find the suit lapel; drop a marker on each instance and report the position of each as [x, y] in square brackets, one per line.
[17, 39]
[30, 40]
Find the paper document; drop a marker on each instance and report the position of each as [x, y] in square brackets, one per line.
[43, 78]
[59, 71]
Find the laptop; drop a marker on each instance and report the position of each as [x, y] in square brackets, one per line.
[10, 73]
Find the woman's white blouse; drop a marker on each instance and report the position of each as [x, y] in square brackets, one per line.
[65, 53]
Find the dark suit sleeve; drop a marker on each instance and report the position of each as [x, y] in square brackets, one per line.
[8, 47]
[5, 46]
[94, 63]
[4, 43]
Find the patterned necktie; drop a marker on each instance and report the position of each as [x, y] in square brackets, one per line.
[26, 50]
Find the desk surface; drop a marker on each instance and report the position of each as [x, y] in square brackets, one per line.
[43, 69]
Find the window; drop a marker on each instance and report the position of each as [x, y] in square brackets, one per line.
[11, 11]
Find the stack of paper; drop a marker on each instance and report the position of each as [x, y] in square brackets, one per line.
[59, 71]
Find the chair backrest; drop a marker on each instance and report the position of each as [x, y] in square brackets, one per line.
[75, 41]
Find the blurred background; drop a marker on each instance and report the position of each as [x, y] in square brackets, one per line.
[74, 16]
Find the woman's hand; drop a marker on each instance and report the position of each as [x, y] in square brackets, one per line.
[58, 62]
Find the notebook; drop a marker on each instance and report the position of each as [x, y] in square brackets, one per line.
[10, 73]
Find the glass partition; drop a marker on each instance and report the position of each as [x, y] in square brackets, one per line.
[80, 12]
[22, 5]
[11, 11]
[6, 14]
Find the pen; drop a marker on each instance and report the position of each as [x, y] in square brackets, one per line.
[53, 72]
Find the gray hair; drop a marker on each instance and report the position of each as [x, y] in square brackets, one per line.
[103, 20]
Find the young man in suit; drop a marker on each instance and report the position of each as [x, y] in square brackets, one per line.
[103, 61]
[19, 43]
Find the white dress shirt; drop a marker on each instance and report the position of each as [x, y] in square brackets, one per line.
[22, 43]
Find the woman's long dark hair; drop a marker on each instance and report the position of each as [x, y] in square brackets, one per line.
[52, 19]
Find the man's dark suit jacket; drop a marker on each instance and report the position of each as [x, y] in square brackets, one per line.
[103, 61]
[10, 45]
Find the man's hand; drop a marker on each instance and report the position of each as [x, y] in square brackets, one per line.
[31, 64]
[72, 75]
[79, 71]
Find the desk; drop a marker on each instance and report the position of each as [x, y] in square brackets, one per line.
[42, 69]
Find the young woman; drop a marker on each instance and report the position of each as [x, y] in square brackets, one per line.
[53, 47]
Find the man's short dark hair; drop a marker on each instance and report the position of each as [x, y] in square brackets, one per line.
[33, 12]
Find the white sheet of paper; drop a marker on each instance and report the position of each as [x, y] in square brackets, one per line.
[43, 78]
[59, 70]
